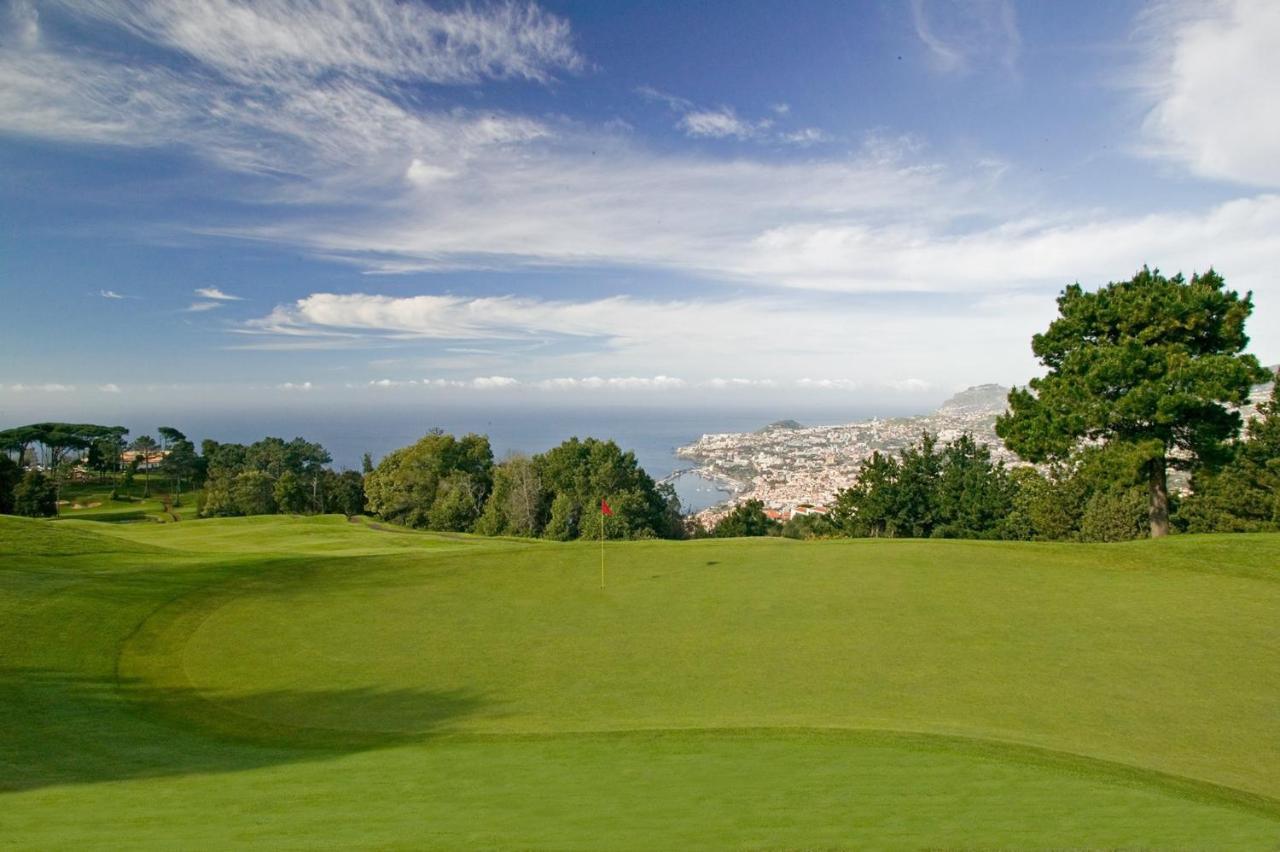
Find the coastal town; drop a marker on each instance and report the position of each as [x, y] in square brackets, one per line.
[796, 470]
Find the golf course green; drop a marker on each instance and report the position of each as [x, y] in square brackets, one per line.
[304, 682]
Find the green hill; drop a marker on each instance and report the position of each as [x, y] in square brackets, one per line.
[313, 682]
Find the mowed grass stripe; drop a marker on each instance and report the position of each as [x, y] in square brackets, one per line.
[725, 693]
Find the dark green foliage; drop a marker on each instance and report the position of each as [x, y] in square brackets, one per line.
[1115, 514]
[144, 445]
[563, 524]
[747, 519]
[439, 483]
[169, 436]
[809, 526]
[1147, 365]
[956, 493]
[1244, 496]
[130, 473]
[557, 495]
[181, 464]
[10, 476]
[1044, 507]
[516, 505]
[344, 492]
[56, 439]
[577, 474]
[289, 494]
[35, 496]
[917, 489]
[254, 493]
[870, 506]
[974, 495]
[255, 479]
[217, 501]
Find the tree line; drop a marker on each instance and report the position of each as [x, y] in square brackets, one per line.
[1142, 377]
[453, 484]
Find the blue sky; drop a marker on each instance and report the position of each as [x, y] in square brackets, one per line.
[232, 203]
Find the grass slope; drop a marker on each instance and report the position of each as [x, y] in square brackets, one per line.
[304, 682]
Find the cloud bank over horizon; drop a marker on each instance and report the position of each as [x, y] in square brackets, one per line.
[489, 191]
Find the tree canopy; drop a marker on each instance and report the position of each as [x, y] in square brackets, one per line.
[438, 483]
[1151, 366]
[1244, 495]
[958, 492]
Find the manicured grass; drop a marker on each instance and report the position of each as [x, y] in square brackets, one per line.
[314, 681]
[92, 501]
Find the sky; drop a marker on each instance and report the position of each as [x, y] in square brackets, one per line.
[284, 203]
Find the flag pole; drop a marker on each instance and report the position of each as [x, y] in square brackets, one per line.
[602, 544]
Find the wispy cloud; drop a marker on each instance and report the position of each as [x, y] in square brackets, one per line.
[1208, 77]
[961, 36]
[110, 294]
[626, 383]
[764, 339]
[721, 123]
[201, 307]
[273, 40]
[216, 294]
[110, 387]
[279, 86]
[48, 387]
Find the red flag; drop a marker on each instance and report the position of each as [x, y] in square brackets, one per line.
[604, 507]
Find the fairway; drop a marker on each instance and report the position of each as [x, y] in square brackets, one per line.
[317, 682]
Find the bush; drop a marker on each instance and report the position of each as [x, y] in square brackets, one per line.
[747, 519]
[254, 493]
[10, 476]
[1115, 515]
[35, 496]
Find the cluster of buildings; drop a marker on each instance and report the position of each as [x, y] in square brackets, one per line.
[797, 470]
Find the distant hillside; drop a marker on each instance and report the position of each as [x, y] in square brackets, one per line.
[781, 425]
[977, 399]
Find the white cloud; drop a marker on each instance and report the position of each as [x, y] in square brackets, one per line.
[282, 87]
[109, 294]
[294, 386]
[20, 24]
[720, 123]
[723, 122]
[269, 40]
[829, 384]
[966, 35]
[216, 294]
[688, 343]
[738, 383]
[201, 307]
[110, 387]
[628, 383]
[805, 136]
[422, 173]
[1210, 75]
[49, 387]
[493, 382]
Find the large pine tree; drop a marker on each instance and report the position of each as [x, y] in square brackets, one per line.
[1149, 366]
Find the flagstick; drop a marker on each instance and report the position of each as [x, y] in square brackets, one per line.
[602, 545]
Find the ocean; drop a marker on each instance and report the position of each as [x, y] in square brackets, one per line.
[652, 433]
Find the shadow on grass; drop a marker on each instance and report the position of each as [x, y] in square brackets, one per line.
[59, 728]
